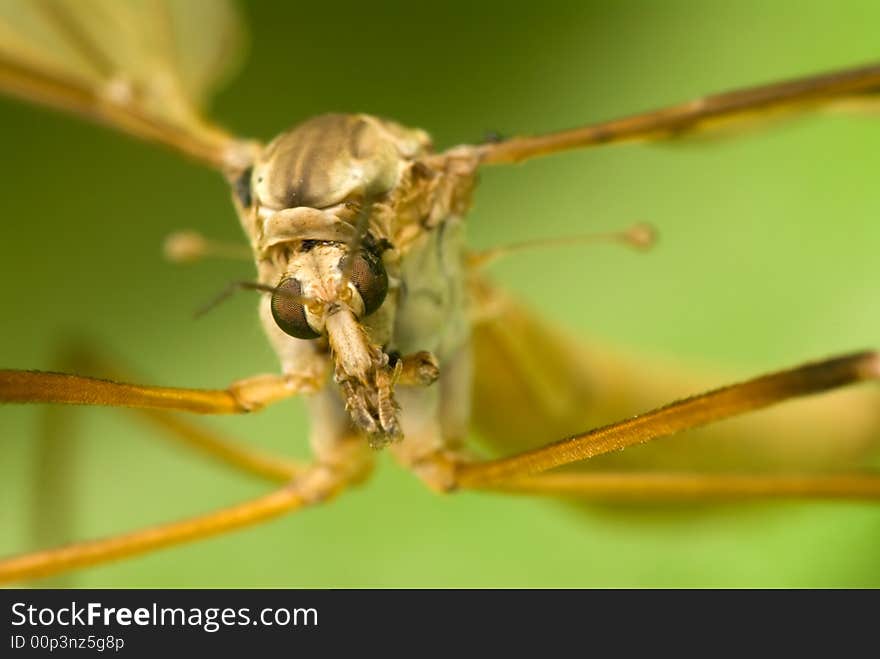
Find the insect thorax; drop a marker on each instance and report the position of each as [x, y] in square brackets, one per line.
[333, 158]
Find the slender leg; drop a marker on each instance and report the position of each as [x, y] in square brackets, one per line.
[55, 482]
[419, 369]
[54, 495]
[343, 459]
[80, 356]
[434, 423]
[246, 395]
[689, 413]
[344, 463]
[50, 523]
[316, 485]
[681, 487]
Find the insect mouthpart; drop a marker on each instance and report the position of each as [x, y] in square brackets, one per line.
[327, 290]
[365, 376]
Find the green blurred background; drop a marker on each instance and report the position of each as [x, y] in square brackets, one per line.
[768, 257]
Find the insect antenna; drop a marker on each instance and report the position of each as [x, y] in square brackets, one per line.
[236, 286]
[639, 236]
[356, 242]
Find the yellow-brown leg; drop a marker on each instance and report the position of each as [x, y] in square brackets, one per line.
[51, 524]
[55, 482]
[53, 500]
[442, 469]
[80, 356]
[693, 412]
[242, 396]
[343, 461]
[317, 484]
[520, 473]
[695, 487]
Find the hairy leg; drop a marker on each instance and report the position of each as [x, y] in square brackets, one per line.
[692, 412]
[694, 487]
[521, 472]
[93, 552]
[53, 494]
[242, 396]
[341, 461]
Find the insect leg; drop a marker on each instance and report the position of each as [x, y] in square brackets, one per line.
[242, 396]
[54, 481]
[53, 494]
[342, 459]
[53, 484]
[535, 383]
[682, 487]
[418, 369]
[314, 486]
[707, 112]
[434, 421]
[692, 412]
[79, 355]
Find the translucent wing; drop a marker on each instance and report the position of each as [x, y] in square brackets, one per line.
[146, 67]
[535, 384]
[859, 84]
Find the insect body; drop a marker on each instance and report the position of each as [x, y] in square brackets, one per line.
[372, 303]
[359, 228]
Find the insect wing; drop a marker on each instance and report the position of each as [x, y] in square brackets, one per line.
[534, 384]
[145, 67]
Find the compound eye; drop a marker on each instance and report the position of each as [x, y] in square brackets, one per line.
[289, 312]
[370, 279]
